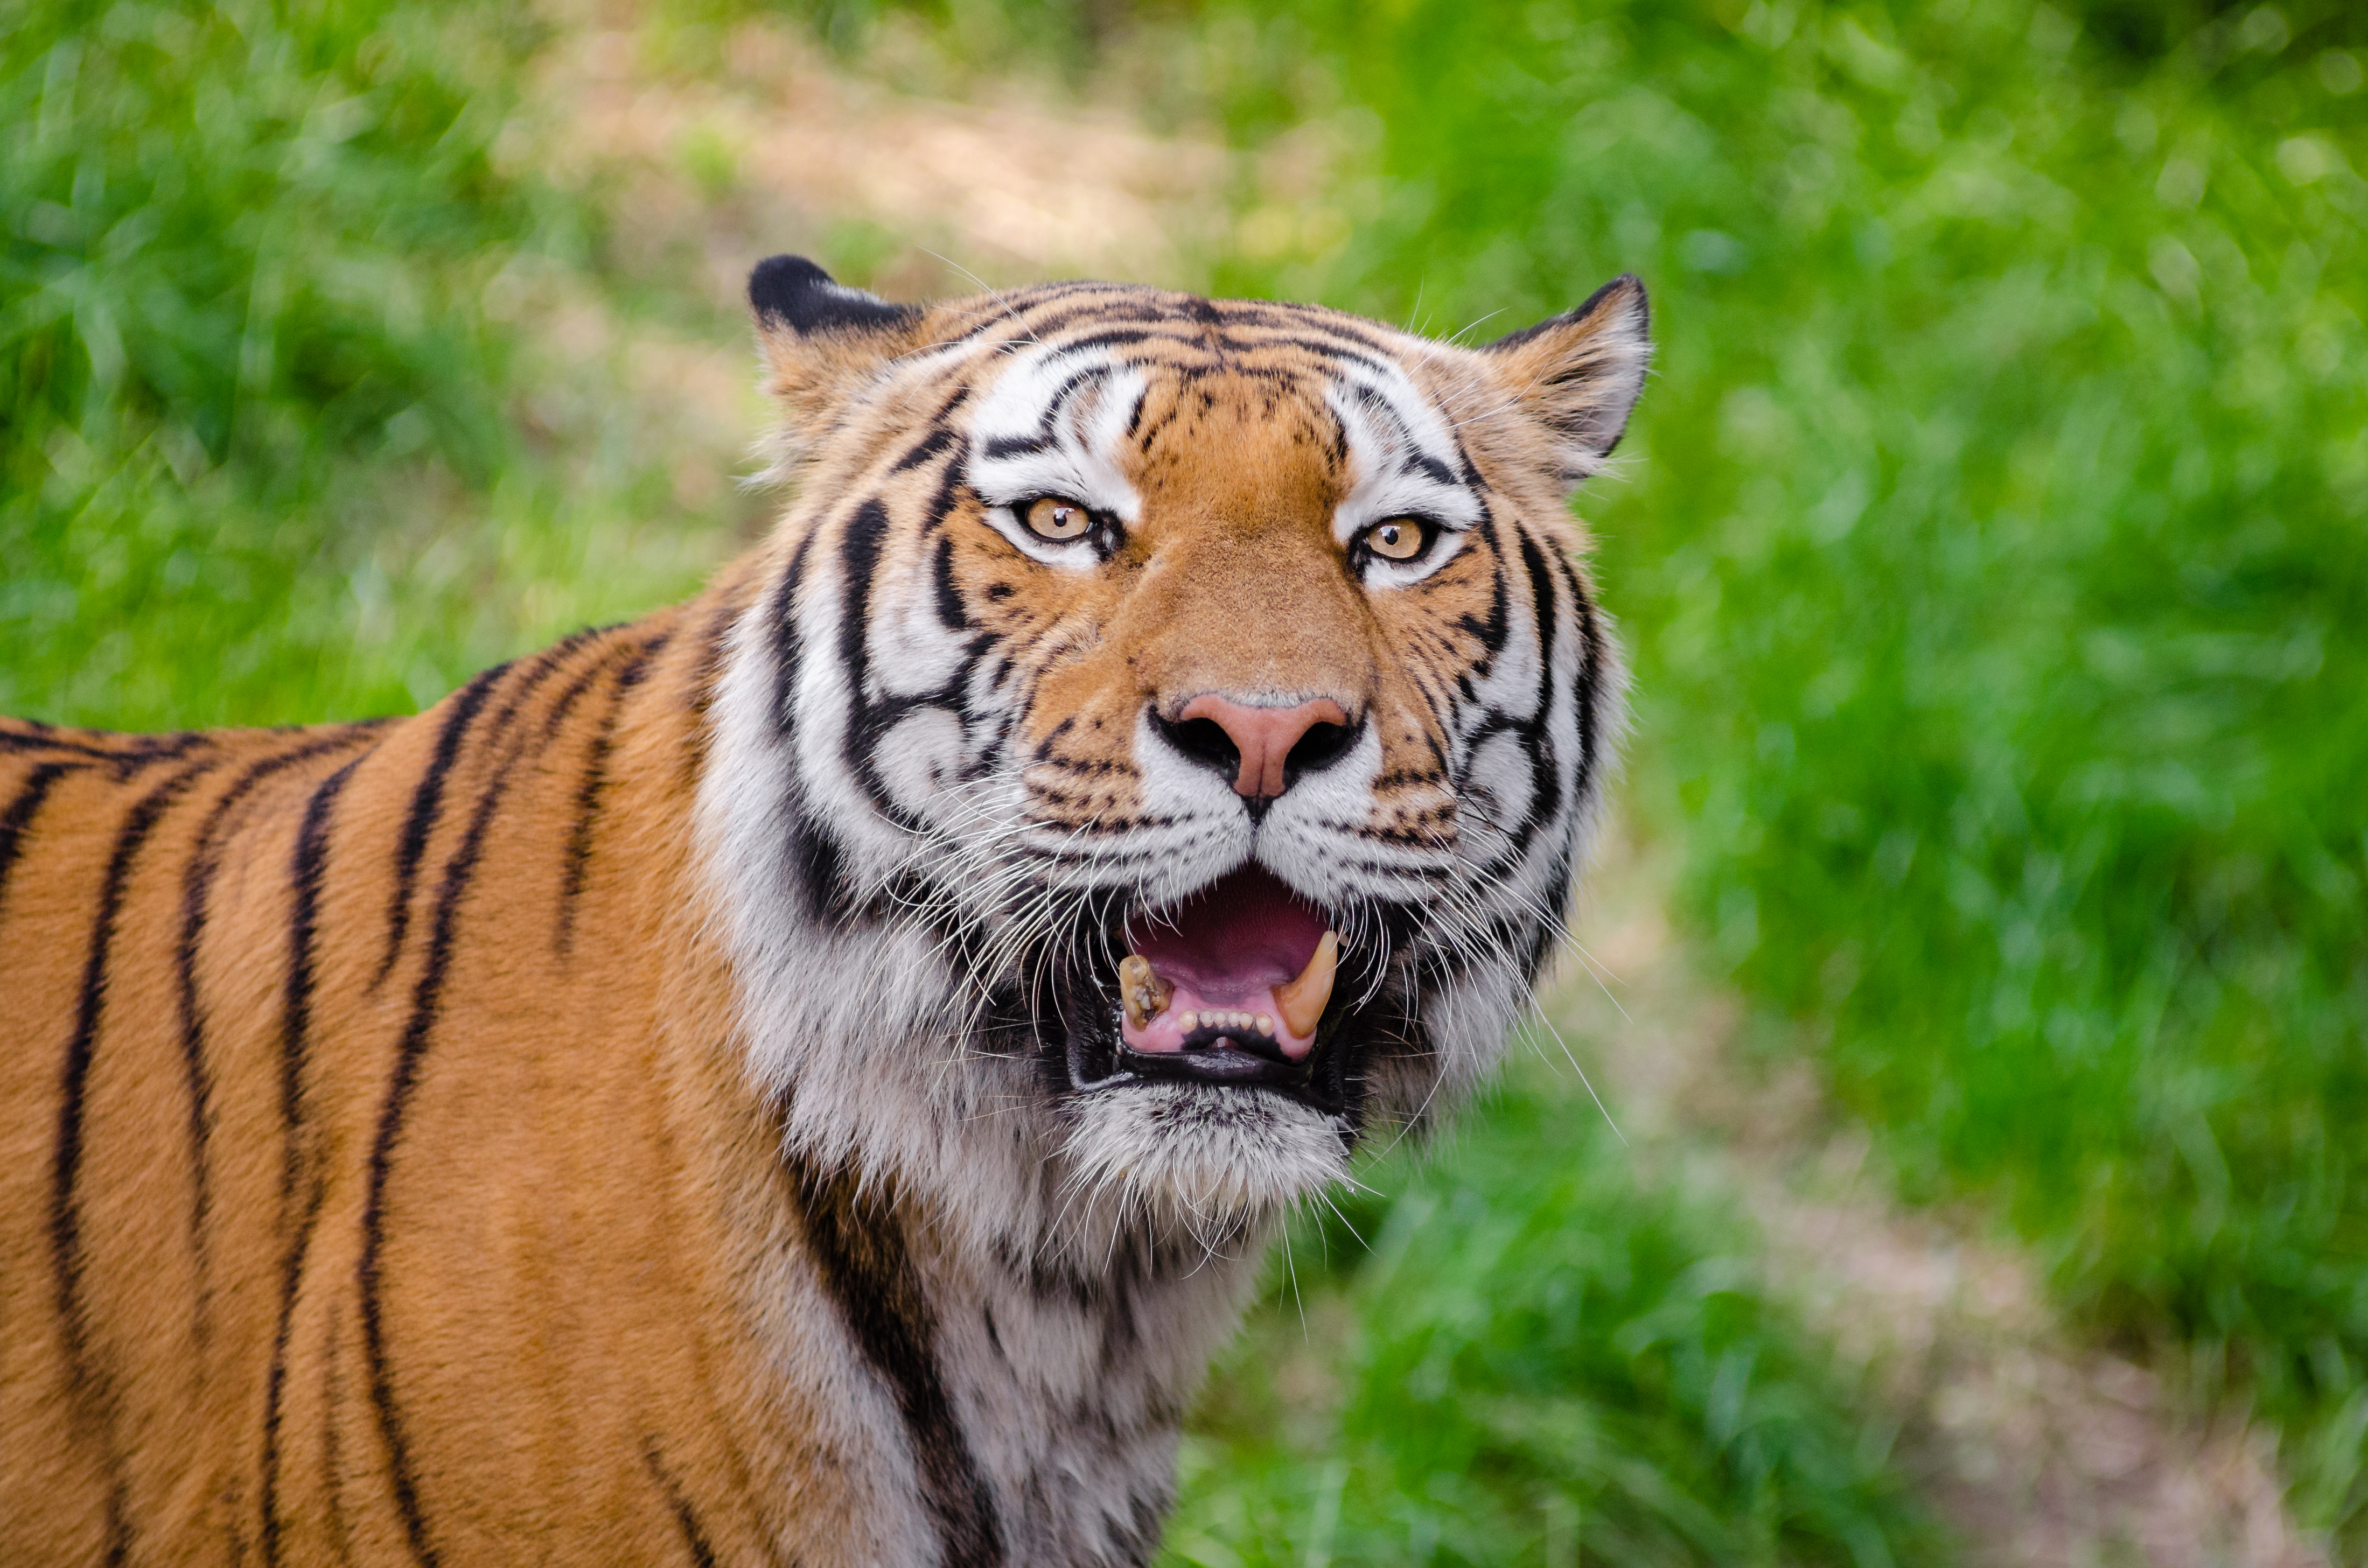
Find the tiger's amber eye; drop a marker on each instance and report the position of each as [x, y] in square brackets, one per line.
[1399, 539]
[1051, 518]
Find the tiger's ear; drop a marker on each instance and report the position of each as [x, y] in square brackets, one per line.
[821, 340]
[1577, 374]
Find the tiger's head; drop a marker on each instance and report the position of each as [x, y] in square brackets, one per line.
[1163, 736]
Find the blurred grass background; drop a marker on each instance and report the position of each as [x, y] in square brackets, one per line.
[1993, 544]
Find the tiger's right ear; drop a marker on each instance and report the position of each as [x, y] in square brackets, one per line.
[821, 339]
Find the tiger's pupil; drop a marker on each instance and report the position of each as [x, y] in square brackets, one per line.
[1049, 518]
[1395, 541]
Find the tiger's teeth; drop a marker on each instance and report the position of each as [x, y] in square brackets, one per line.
[1302, 1000]
[1141, 988]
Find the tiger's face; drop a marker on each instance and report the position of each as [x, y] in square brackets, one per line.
[1183, 718]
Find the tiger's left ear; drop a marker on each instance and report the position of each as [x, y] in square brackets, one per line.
[821, 341]
[1577, 374]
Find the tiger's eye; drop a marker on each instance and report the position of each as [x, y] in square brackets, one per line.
[1051, 518]
[1399, 539]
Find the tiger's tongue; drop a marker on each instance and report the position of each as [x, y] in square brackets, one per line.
[1233, 948]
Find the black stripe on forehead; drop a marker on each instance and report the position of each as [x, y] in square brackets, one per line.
[1187, 341]
[1038, 317]
[1010, 316]
[1066, 305]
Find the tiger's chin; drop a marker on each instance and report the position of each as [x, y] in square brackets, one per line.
[1208, 1161]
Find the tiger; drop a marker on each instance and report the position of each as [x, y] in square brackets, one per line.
[809, 1076]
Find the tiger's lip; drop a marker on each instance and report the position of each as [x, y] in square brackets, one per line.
[1105, 1060]
[1236, 1065]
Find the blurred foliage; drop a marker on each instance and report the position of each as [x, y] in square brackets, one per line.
[246, 257]
[1549, 1358]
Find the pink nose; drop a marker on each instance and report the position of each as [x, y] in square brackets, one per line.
[1263, 735]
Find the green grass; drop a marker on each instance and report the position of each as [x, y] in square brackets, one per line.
[1546, 1356]
[260, 460]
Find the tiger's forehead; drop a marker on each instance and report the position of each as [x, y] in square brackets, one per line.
[1095, 397]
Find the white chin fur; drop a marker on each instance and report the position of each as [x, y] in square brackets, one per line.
[1209, 1160]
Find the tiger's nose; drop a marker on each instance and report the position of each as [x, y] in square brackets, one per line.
[1263, 748]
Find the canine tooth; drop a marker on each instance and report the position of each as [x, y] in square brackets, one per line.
[1141, 988]
[1302, 1000]
[1265, 1024]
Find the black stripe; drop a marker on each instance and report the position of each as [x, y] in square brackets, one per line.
[858, 556]
[1010, 310]
[813, 854]
[427, 801]
[588, 789]
[92, 1386]
[427, 1002]
[1493, 631]
[167, 748]
[1015, 445]
[197, 887]
[19, 816]
[859, 1248]
[808, 847]
[1429, 467]
[951, 489]
[135, 751]
[593, 670]
[927, 447]
[693, 1538]
[305, 871]
[1283, 318]
[1589, 689]
[951, 612]
[1545, 773]
[332, 1468]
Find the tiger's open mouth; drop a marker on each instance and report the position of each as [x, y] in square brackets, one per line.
[1242, 985]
